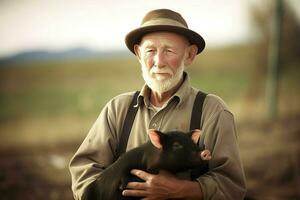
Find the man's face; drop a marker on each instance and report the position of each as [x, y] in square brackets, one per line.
[162, 56]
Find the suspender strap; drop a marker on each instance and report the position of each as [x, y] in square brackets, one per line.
[128, 122]
[197, 111]
[196, 124]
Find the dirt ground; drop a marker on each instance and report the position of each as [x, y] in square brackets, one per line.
[271, 158]
[30, 175]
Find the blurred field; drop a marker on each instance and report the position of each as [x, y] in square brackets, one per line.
[48, 108]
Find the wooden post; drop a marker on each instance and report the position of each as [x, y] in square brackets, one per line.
[274, 61]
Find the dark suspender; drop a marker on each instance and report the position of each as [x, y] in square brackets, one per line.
[197, 111]
[196, 124]
[132, 110]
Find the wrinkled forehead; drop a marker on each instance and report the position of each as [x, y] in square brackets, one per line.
[164, 38]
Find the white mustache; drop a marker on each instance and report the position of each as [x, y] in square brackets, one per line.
[156, 70]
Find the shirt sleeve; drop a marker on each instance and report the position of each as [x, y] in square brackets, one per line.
[225, 179]
[94, 154]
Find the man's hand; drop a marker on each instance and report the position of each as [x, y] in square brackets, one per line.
[161, 186]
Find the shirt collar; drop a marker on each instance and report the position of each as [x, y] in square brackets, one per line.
[180, 94]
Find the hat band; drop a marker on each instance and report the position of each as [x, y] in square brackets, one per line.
[163, 21]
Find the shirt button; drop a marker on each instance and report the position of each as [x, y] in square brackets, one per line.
[154, 125]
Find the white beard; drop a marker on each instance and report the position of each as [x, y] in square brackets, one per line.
[161, 83]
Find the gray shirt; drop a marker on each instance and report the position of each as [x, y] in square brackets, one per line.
[225, 179]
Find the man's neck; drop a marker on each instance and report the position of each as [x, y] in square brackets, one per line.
[159, 99]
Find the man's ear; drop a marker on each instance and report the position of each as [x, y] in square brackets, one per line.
[137, 51]
[190, 54]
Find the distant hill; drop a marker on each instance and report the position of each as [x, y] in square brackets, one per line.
[71, 54]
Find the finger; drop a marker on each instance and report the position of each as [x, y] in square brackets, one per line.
[134, 193]
[142, 174]
[136, 185]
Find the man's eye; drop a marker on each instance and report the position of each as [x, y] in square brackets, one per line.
[149, 50]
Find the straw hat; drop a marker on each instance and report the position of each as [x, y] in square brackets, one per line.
[163, 20]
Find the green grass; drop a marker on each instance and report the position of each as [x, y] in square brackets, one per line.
[83, 87]
[228, 85]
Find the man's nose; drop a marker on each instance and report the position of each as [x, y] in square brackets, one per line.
[159, 59]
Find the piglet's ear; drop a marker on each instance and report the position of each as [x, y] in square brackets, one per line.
[195, 135]
[155, 138]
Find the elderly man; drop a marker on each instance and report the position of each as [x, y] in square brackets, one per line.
[164, 45]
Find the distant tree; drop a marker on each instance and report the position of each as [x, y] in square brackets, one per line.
[261, 16]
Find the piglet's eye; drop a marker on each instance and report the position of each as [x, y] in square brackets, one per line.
[176, 146]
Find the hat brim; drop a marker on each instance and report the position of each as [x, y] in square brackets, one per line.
[135, 36]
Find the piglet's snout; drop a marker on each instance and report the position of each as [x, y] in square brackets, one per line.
[205, 155]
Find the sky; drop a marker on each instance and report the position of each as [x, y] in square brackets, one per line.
[27, 25]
